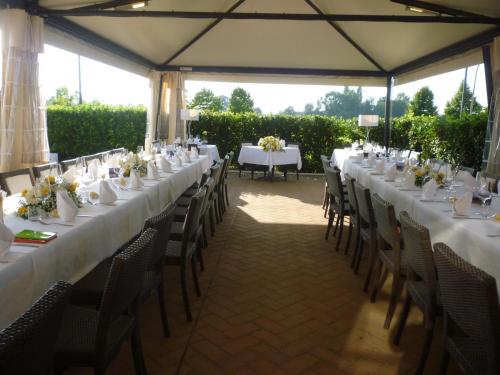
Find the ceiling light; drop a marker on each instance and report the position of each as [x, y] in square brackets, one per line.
[413, 9]
[139, 5]
[421, 10]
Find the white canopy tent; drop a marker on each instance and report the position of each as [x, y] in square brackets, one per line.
[343, 42]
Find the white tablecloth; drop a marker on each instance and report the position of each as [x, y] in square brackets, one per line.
[78, 249]
[256, 155]
[340, 155]
[211, 151]
[467, 237]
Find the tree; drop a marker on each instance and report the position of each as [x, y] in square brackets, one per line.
[346, 104]
[240, 101]
[470, 104]
[63, 97]
[423, 103]
[309, 109]
[206, 100]
[399, 105]
[289, 111]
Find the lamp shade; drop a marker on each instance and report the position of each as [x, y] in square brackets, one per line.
[369, 121]
[190, 114]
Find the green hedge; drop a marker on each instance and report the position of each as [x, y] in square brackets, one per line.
[89, 128]
[457, 140]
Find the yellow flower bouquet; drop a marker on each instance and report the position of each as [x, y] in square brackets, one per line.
[271, 143]
[133, 161]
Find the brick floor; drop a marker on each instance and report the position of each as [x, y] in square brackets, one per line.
[276, 299]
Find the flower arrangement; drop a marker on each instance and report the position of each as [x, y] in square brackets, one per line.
[271, 143]
[43, 196]
[134, 161]
[423, 174]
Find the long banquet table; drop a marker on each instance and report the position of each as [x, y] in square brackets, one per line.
[467, 237]
[98, 231]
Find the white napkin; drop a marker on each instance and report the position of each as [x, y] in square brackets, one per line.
[467, 178]
[71, 175]
[359, 157]
[390, 175]
[463, 204]
[178, 161]
[185, 157]
[153, 171]
[409, 181]
[371, 160]
[6, 239]
[106, 193]
[429, 189]
[114, 161]
[93, 168]
[65, 206]
[194, 153]
[135, 180]
[166, 166]
[380, 166]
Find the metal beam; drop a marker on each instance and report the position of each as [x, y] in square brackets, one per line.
[82, 33]
[201, 34]
[475, 41]
[266, 16]
[270, 70]
[441, 9]
[487, 73]
[346, 37]
[106, 5]
[387, 117]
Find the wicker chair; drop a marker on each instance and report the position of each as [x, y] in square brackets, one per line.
[14, 182]
[368, 230]
[389, 254]
[285, 168]
[421, 282]
[339, 205]
[181, 253]
[471, 314]
[89, 290]
[44, 170]
[27, 346]
[91, 338]
[185, 199]
[354, 221]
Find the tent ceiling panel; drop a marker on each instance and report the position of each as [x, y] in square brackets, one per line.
[274, 44]
[489, 8]
[179, 5]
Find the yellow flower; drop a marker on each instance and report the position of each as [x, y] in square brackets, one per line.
[51, 180]
[21, 211]
[24, 192]
[54, 213]
[420, 173]
[44, 191]
[72, 187]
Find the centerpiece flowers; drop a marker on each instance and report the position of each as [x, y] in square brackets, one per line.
[271, 143]
[133, 161]
[423, 174]
[43, 196]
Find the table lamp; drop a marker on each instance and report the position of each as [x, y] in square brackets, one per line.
[368, 121]
[190, 115]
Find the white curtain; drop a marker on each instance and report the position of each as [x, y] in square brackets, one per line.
[164, 120]
[23, 128]
[493, 167]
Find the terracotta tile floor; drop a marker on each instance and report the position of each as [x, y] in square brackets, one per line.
[276, 299]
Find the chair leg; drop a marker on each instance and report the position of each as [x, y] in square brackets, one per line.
[285, 174]
[195, 275]
[445, 359]
[297, 174]
[336, 225]
[163, 310]
[373, 257]
[393, 302]
[429, 330]
[349, 235]
[199, 254]
[402, 319]
[211, 215]
[140, 366]
[340, 218]
[330, 224]
[185, 297]
[251, 171]
[227, 195]
[377, 271]
[222, 209]
[216, 210]
[359, 256]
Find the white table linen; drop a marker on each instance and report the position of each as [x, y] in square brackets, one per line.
[257, 155]
[467, 237]
[211, 151]
[340, 155]
[98, 231]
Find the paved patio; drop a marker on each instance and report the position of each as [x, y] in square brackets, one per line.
[277, 299]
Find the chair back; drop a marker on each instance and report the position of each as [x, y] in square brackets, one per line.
[204, 178]
[365, 207]
[192, 220]
[210, 186]
[27, 346]
[216, 172]
[223, 172]
[231, 156]
[67, 164]
[387, 224]
[470, 299]
[351, 196]
[45, 170]
[418, 252]
[335, 186]
[162, 223]
[124, 284]
[14, 182]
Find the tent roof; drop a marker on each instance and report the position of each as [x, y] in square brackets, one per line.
[366, 48]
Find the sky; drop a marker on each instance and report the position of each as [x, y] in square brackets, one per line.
[111, 85]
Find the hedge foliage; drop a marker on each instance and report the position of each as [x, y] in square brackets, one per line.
[90, 128]
[459, 141]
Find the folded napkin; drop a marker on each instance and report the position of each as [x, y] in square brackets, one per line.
[467, 178]
[106, 193]
[429, 189]
[135, 180]
[371, 160]
[359, 157]
[166, 166]
[6, 239]
[390, 175]
[71, 175]
[66, 208]
[380, 166]
[409, 181]
[178, 161]
[185, 157]
[463, 204]
[194, 153]
[153, 171]
[93, 168]
[114, 161]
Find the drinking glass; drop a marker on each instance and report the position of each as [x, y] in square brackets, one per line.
[33, 213]
[486, 198]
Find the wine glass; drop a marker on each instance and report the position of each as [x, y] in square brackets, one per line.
[485, 195]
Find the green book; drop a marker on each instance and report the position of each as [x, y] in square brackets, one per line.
[29, 235]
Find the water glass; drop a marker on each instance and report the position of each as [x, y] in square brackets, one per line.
[34, 213]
